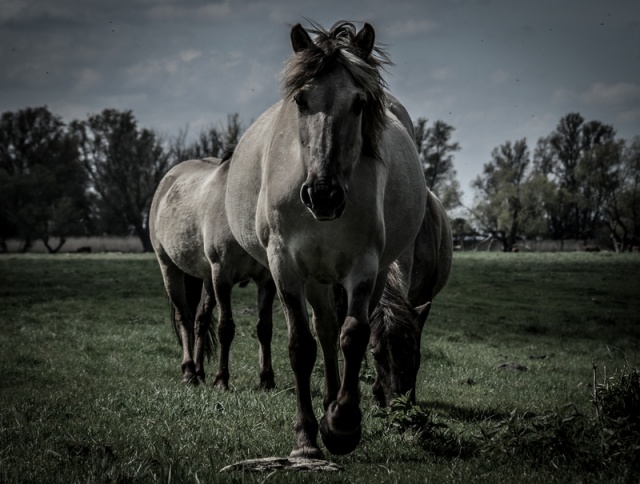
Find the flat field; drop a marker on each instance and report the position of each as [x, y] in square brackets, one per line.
[90, 381]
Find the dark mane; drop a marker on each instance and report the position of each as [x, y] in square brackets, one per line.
[228, 154]
[393, 313]
[337, 46]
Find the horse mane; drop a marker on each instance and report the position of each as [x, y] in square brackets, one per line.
[337, 46]
[394, 313]
[228, 154]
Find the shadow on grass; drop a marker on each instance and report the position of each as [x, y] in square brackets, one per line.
[462, 413]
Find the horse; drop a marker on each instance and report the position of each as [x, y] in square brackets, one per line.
[412, 284]
[200, 262]
[326, 189]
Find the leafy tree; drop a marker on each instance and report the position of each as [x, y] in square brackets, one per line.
[43, 184]
[576, 158]
[506, 194]
[436, 155]
[124, 164]
[622, 205]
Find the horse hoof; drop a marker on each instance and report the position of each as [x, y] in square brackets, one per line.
[189, 378]
[267, 385]
[220, 384]
[339, 444]
[306, 453]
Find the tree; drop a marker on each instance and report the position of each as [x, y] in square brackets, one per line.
[43, 184]
[213, 141]
[436, 155]
[622, 205]
[506, 199]
[124, 164]
[575, 158]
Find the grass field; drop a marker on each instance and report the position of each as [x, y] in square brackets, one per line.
[90, 378]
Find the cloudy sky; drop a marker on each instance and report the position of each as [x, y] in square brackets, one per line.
[496, 70]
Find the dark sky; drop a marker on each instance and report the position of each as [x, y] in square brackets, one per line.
[495, 70]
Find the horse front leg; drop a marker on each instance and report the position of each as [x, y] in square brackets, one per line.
[266, 295]
[341, 425]
[327, 327]
[302, 356]
[302, 350]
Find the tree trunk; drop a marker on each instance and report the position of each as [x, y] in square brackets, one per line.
[27, 245]
[56, 249]
[145, 238]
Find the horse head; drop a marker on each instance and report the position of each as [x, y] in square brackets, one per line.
[396, 331]
[337, 91]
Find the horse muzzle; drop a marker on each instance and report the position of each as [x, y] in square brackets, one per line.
[326, 199]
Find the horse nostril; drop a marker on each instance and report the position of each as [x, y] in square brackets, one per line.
[305, 195]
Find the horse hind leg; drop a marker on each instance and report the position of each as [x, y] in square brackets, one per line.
[226, 331]
[204, 343]
[182, 316]
[264, 327]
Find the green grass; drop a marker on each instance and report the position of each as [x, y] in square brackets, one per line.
[90, 378]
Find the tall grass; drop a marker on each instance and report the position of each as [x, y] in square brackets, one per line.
[90, 378]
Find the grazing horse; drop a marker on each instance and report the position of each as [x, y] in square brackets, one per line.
[201, 261]
[413, 282]
[326, 189]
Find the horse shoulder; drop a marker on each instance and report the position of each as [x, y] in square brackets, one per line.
[245, 183]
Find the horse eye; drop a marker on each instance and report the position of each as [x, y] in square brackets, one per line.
[358, 105]
[300, 100]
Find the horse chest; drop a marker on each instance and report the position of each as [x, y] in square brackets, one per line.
[325, 258]
[322, 264]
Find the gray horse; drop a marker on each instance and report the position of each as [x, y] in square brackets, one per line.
[412, 283]
[326, 189]
[192, 241]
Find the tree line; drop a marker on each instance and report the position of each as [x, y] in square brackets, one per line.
[580, 182]
[97, 176]
[91, 177]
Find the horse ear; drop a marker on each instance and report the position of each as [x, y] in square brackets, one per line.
[423, 313]
[366, 39]
[300, 39]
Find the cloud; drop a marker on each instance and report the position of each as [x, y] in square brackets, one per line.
[563, 96]
[629, 116]
[499, 76]
[412, 28]
[87, 78]
[443, 74]
[213, 11]
[613, 94]
[253, 86]
[189, 55]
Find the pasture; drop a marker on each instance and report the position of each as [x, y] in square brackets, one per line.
[90, 386]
